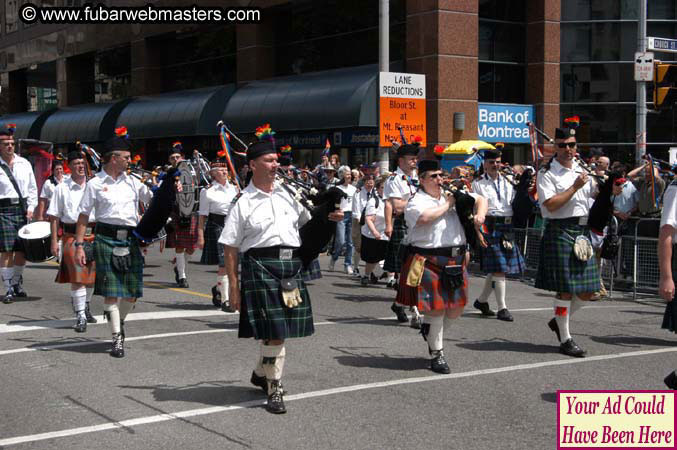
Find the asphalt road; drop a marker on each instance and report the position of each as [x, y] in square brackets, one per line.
[362, 381]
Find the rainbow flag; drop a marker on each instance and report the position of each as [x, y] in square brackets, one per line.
[227, 153]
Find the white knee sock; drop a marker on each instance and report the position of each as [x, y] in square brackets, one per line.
[79, 297]
[435, 332]
[576, 304]
[499, 291]
[181, 264]
[7, 273]
[125, 308]
[273, 362]
[222, 286]
[258, 370]
[488, 286]
[18, 272]
[113, 314]
[90, 292]
[562, 313]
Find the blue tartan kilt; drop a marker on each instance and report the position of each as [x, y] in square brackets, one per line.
[11, 219]
[495, 258]
[110, 283]
[212, 253]
[558, 269]
[263, 314]
[393, 259]
[312, 272]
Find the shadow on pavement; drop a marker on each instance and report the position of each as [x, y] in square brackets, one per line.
[503, 345]
[633, 341]
[354, 357]
[207, 305]
[216, 393]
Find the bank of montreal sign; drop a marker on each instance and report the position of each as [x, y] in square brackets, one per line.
[497, 122]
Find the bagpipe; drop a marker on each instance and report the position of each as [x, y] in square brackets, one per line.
[465, 209]
[157, 214]
[523, 205]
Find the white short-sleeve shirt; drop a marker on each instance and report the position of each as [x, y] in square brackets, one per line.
[399, 185]
[359, 202]
[557, 180]
[22, 171]
[217, 199]
[446, 231]
[347, 203]
[499, 194]
[116, 202]
[65, 202]
[378, 214]
[669, 214]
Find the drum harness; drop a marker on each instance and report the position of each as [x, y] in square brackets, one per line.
[22, 201]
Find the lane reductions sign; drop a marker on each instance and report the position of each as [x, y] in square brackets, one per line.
[401, 104]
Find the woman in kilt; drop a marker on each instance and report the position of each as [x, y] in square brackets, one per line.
[374, 240]
[183, 237]
[400, 186]
[434, 276]
[114, 197]
[215, 203]
[501, 256]
[271, 295]
[63, 210]
[564, 190]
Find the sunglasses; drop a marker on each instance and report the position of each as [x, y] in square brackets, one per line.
[566, 144]
[435, 175]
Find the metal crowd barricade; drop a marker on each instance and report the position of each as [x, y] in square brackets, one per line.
[645, 271]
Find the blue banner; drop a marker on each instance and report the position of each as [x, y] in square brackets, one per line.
[504, 123]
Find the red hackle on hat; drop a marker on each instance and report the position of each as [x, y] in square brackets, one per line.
[121, 132]
[572, 122]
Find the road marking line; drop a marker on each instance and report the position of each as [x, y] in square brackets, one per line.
[181, 290]
[316, 394]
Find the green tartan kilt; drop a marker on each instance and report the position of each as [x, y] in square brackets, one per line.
[11, 219]
[558, 269]
[312, 272]
[393, 260]
[212, 253]
[113, 284]
[263, 314]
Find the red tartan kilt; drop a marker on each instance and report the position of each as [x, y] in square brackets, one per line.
[184, 237]
[69, 270]
[431, 295]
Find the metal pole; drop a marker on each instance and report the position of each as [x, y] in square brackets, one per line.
[383, 63]
[640, 146]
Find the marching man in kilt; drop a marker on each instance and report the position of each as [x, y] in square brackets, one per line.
[667, 263]
[398, 189]
[434, 276]
[63, 209]
[263, 224]
[565, 264]
[183, 237]
[501, 256]
[114, 197]
[18, 199]
[215, 203]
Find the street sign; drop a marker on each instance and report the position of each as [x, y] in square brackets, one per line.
[401, 104]
[662, 44]
[644, 66]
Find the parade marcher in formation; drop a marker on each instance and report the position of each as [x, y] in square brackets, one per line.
[359, 205]
[114, 197]
[215, 203]
[434, 276]
[374, 238]
[63, 210]
[18, 199]
[502, 255]
[566, 264]
[57, 176]
[183, 236]
[400, 186]
[667, 257]
[343, 240]
[263, 224]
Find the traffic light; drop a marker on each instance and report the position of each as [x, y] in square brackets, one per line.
[664, 85]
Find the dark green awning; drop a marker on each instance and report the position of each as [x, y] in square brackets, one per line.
[27, 124]
[87, 123]
[193, 112]
[315, 101]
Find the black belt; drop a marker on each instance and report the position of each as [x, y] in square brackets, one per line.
[439, 251]
[276, 252]
[218, 219]
[567, 221]
[70, 227]
[108, 230]
[5, 202]
[493, 220]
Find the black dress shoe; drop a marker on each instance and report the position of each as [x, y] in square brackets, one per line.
[19, 290]
[399, 312]
[570, 348]
[373, 279]
[505, 315]
[118, 347]
[259, 382]
[275, 402]
[671, 381]
[88, 314]
[554, 327]
[8, 297]
[484, 308]
[176, 274]
[364, 281]
[183, 283]
[81, 324]
[391, 283]
[216, 296]
[439, 365]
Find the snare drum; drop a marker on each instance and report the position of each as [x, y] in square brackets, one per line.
[189, 197]
[36, 239]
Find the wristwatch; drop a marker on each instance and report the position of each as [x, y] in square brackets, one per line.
[78, 244]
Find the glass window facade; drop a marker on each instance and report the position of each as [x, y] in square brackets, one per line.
[112, 74]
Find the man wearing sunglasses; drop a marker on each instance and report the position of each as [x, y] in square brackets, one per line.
[564, 189]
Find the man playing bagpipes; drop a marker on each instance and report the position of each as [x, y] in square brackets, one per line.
[183, 236]
[501, 256]
[18, 199]
[263, 225]
[114, 196]
[667, 263]
[434, 276]
[63, 210]
[566, 265]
